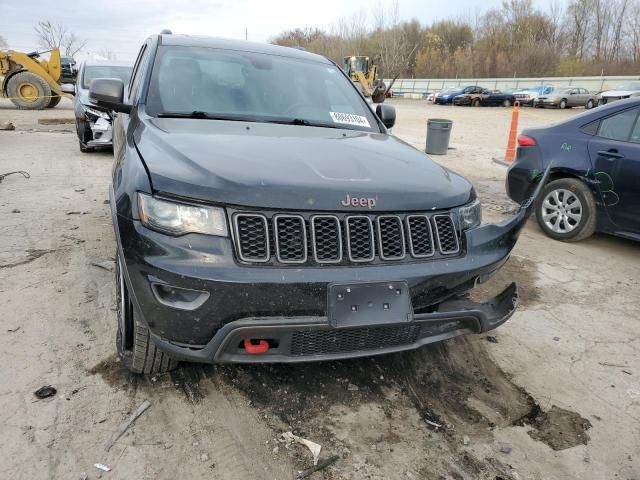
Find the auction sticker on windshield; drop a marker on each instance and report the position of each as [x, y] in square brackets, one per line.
[350, 119]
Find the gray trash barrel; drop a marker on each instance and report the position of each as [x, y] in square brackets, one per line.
[438, 134]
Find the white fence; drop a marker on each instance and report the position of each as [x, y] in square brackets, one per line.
[420, 87]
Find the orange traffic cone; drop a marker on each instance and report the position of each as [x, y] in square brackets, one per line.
[510, 153]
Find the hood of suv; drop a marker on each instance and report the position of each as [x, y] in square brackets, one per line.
[293, 167]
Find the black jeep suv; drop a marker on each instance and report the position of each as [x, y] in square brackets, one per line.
[263, 213]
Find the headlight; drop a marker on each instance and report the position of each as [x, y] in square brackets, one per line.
[470, 216]
[95, 112]
[179, 218]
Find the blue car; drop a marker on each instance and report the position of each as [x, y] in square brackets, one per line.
[595, 173]
[446, 96]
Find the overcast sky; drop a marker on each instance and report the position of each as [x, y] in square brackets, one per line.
[122, 25]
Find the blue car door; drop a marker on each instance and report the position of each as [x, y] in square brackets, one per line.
[615, 153]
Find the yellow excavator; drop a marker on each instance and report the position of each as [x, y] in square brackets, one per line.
[30, 82]
[363, 72]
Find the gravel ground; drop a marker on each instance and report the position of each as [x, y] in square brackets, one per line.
[554, 395]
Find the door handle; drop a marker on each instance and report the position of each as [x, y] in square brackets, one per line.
[610, 154]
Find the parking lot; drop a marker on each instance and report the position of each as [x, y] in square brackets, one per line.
[552, 394]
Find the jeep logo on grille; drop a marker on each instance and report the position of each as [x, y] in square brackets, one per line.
[350, 201]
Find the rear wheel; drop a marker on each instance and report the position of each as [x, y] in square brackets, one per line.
[506, 103]
[29, 91]
[133, 342]
[566, 210]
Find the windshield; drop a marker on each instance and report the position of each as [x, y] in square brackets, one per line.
[629, 86]
[254, 87]
[91, 72]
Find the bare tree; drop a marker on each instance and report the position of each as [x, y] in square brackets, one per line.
[52, 35]
[107, 54]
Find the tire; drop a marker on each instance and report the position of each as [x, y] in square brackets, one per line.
[135, 348]
[54, 100]
[563, 104]
[475, 102]
[29, 91]
[566, 210]
[589, 105]
[83, 131]
[506, 103]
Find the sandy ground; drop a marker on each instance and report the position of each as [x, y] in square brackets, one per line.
[557, 397]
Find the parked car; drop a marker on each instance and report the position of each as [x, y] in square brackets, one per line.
[485, 98]
[595, 173]
[68, 67]
[446, 96]
[244, 233]
[529, 95]
[94, 123]
[624, 91]
[567, 98]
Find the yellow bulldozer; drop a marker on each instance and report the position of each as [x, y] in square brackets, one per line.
[30, 82]
[363, 72]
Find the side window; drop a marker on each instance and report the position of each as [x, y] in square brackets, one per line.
[618, 126]
[635, 133]
[138, 70]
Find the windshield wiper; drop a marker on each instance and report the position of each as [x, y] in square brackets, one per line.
[204, 115]
[302, 121]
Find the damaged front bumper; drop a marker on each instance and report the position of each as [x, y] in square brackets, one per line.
[307, 339]
[102, 133]
[272, 314]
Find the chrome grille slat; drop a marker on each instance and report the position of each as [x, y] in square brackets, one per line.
[391, 240]
[420, 236]
[446, 234]
[290, 234]
[326, 238]
[360, 238]
[252, 232]
[317, 239]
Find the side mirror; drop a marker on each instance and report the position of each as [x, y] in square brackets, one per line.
[68, 88]
[387, 114]
[109, 93]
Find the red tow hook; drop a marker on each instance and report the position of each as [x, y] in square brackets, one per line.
[256, 348]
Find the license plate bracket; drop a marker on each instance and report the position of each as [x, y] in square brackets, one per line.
[367, 304]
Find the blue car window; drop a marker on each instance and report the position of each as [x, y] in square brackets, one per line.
[635, 133]
[618, 126]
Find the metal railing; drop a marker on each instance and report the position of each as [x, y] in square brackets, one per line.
[420, 87]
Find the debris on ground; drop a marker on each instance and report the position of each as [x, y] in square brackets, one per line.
[84, 476]
[492, 339]
[289, 437]
[15, 210]
[102, 466]
[56, 121]
[505, 449]
[13, 330]
[320, 466]
[73, 212]
[79, 190]
[556, 339]
[106, 265]
[45, 392]
[466, 440]
[21, 172]
[125, 425]
[7, 126]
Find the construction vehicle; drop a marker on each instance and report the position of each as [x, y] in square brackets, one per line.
[363, 72]
[30, 82]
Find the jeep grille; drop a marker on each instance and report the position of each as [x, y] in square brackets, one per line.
[278, 238]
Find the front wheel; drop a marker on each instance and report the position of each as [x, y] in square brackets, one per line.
[563, 104]
[135, 348]
[506, 103]
[566, 210]
[589, 105]
[475, 102]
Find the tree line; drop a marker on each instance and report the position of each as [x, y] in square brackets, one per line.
[581, 37]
